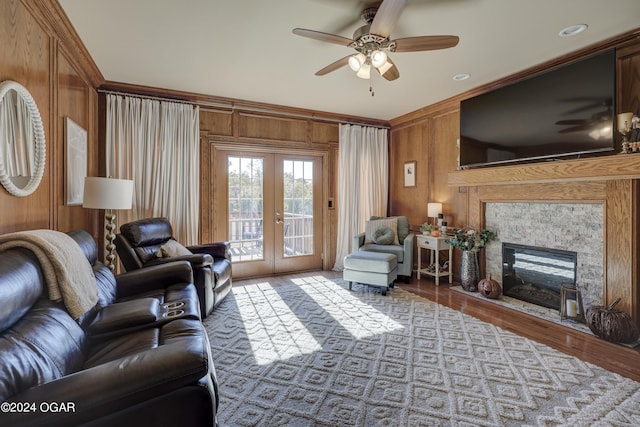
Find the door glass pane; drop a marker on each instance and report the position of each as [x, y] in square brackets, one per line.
[298, 207]
[245, 176]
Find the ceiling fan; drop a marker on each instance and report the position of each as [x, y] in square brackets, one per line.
[599, 121]
[372, 42]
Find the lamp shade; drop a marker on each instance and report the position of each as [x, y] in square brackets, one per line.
[365, 71]
[624, 121]
[433, 209]
[378, 58]
[107, 193]
[356, 61]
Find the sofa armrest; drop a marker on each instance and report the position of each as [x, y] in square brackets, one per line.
[114, 386]
[408, 248]
[154, 277]
[358, 240]
[196, 260]
[218, 250]
[123, 315]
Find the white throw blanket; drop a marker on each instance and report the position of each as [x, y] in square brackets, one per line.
[66, 270]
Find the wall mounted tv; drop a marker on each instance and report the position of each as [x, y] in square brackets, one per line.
[567, 111]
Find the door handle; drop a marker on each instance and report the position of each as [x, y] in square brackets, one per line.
[279, 221]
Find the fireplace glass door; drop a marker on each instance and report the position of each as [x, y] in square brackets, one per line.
[535, 274]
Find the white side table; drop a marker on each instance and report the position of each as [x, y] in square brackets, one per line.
[435, 245]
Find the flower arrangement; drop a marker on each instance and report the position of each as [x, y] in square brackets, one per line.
[468, 239]
[426, 227]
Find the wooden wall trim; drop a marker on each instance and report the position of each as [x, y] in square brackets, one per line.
[50, 13]
[591, 169]
[209, 101]
[563, 192]
[620, 202]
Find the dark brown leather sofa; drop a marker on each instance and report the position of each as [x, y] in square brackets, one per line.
[141, 356]
[139, 242]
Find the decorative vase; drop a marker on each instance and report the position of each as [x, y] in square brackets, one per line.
[435, 233]
[469, 271]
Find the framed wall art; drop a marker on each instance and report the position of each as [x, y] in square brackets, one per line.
[75, 161]
[410, 174]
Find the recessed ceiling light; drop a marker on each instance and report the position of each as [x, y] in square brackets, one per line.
[461, 76]
[573, 30]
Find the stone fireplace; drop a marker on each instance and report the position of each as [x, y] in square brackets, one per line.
[536, 275]
[571, 227]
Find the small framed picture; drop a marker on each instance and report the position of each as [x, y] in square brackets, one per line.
[410, 174]
[76, 162]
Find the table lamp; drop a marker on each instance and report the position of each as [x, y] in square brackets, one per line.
[433, 210]
[624, 127]
[109, 194]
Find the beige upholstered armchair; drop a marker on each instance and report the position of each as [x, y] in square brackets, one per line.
[399, 242]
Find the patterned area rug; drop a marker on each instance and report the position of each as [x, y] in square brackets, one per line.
[312, 353]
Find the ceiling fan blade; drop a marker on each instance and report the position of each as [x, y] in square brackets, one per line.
[392, 73]
[572, 122]
[582, 128]
[323, 37]
[333, 66]
[387, 16]
[420, 43]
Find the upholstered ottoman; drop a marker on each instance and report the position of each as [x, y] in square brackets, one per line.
[371, 268]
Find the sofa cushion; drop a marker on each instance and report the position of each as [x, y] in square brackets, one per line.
[372, 225]
[383, 235]
[44, 345]
[145, 232]
[403, 226]
[172, 249]
[17, 298]
[396, 250]
[147, 253]
[114, 348]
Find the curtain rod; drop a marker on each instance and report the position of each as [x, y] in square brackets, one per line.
[135, 95]
[251, 109]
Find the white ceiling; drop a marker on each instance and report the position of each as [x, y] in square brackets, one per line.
[244, 49]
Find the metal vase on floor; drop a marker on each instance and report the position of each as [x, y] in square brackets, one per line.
[469, 271]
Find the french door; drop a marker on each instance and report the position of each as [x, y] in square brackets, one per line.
[273, 209]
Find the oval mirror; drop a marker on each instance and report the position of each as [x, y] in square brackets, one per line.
[22, 144]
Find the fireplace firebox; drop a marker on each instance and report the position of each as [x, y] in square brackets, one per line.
[534, 274]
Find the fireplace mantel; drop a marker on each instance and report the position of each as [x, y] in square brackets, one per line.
[620, 197]
[603, 168]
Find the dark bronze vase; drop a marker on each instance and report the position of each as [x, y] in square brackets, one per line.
[469, 271]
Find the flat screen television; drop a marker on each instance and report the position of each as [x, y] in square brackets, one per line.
[567, 111]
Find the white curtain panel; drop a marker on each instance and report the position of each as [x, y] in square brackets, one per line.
[16, 128]
[156, 144]
[363, 182]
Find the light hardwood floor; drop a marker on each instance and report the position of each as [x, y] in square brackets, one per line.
[613, 357]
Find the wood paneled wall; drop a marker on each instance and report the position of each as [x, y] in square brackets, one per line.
[430, 136]
[38, 52]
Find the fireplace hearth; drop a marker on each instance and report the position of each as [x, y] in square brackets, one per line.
[535, 274]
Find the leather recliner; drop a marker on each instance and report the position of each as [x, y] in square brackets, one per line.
[140, 241]
[55, 372]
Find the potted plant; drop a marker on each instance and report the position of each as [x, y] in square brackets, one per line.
[470, 241]
[429, 229]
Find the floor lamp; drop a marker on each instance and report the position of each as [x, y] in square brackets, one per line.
[109, 194]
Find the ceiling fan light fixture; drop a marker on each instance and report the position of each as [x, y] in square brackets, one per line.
[378, 58]
[365, 71]
[356, 61]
